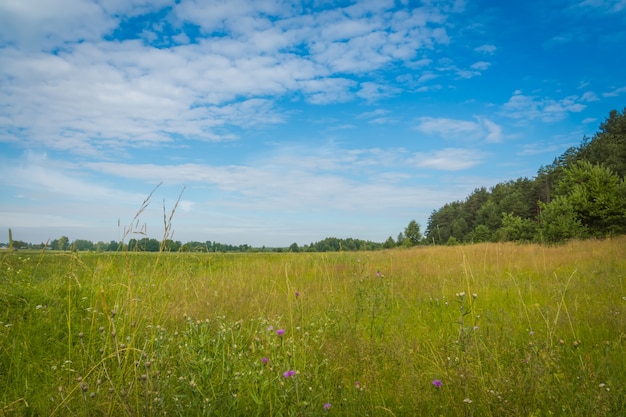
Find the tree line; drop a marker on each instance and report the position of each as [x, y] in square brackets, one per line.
[582, 194]
[330, 244]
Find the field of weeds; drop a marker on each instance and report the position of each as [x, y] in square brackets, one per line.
[481, 330]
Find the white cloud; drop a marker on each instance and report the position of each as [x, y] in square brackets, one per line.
[373, 114]
[447, 127]
[540, 148]
[486, 49]
[95, 95]
[298, 178]
[327, 90]
[481, 65]
[526, 108]
[615, 92]
[372, 91]
[454, 129]
[494, 130]
[378, 116]
[589, 96]
[41, 179]
[603, 6]
[449, 159]
[43, 24]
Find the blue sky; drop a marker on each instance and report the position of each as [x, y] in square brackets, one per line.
[288, 121]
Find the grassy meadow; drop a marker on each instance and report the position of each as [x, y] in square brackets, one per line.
[480, 330]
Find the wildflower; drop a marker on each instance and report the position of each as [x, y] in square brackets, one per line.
[379, 274]
[297, 294]
[280, 332]
[265, 360]
[270, 328]
[437, 383]
[357, 384]
[289, 373]
[467, 401]
[327, 406]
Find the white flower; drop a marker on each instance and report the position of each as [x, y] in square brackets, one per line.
[467, 401]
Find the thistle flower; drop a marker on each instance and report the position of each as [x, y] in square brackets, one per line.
[289, 373]
[280, 332]
[265, 360]
[327, 406]
[437, 383]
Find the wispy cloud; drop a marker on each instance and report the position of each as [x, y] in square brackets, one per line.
[525, 108]
[486, 49]
[378, 116]
[449, 159]
[615, 92]
[480, 65]
[603, 6]
[464, 130]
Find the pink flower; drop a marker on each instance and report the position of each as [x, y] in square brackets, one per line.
[289, 374]
[280, 332]
[327, 406]
[265, 360]
[437, 383]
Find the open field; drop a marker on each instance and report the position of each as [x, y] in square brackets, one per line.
[481, 330]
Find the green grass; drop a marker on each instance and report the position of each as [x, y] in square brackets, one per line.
[518, 330]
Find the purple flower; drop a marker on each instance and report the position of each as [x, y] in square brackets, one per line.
[437, 383]
[265, 360]
[327, 406]
[280, 332]
[297, 294]
[289, 374]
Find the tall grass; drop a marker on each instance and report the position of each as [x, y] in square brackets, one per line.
[482, 330]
